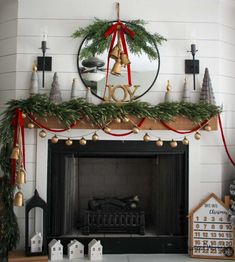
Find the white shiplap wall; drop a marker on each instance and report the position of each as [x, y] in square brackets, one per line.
[8, 32]
[209, 23]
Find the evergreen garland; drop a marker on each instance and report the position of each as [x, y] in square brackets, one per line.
[67, 113]
[95, 43]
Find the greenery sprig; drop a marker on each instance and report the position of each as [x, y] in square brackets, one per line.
[95, 44]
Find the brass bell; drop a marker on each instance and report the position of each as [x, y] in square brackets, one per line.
[116, 70]
[15, 152]
[115, 52]
[124, 59]
[21, 177]
[19, 199]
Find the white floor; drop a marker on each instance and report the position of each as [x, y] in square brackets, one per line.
[145, 258]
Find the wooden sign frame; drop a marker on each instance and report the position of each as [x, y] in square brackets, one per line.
[211, 232]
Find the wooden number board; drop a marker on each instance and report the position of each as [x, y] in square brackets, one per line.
[212, 234]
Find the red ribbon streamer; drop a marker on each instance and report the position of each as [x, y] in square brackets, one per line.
[224, 141]
[184, 132]
[50, 129]
[18, 123]
[128, 133]
[123, 30]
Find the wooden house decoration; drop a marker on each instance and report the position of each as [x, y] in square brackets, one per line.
[75, 249]
[55, 249]
[36, 243]
[211, 231]
[95, 250]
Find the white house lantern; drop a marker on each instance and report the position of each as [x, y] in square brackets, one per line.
[55, 249]
[95, 250]
[75, 249]
[36, 243]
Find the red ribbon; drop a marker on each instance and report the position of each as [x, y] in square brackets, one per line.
[50, 129]
[184, 132]
[128, 133]
[123, 30]
[18, 124]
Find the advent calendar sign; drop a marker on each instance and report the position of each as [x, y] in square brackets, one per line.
[212, 235]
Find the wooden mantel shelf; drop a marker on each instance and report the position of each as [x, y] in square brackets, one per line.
[180, 123]
[19, 256]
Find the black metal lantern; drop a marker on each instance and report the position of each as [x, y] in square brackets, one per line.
[34, 202]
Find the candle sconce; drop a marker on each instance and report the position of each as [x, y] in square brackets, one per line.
[192, 66]
[44, 63]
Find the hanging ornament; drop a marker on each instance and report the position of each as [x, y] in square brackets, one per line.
[185, 141]
[95, 137]
[107, 129]
[115, 52]
[15, 152]
[159, 142]
[30, 125]
[197, 136]
[173, 143]
[118, 120]
[42, 134]
[19, 199]
[146, 137]
[69, 142]
[82, 141]
[124, 59]
[54, 139]
[125, 119]
[21, 177]
[116, 70]
[207, 127]
[24, 115]
[135, 130]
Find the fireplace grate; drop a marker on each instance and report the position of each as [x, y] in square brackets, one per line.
[104, 221]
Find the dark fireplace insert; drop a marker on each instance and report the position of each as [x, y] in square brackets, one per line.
[131, 195]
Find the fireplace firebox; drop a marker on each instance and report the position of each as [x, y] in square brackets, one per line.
[108, 173]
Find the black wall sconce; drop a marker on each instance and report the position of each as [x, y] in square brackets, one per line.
[44, 63]
[192, 66]
[34, 202]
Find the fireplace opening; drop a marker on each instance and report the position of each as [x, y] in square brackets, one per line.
[132, 195]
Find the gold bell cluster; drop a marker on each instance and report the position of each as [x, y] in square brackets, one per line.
[121, 59]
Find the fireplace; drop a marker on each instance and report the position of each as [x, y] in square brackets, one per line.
[157, 177]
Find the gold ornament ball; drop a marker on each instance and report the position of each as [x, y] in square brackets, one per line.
[82, 141]
[207, 127]
[95, 137]
[42, 134]
[107, 129]
[159, 142]
[23, 115]
[118, 120]
[69, 142]
[173, 143]
[30, 125]
[54, 139]
[197, 136]
[146, 137]
[185, 141]
[125, 119]
[135, 130]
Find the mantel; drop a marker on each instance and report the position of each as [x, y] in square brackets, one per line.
[179, 123]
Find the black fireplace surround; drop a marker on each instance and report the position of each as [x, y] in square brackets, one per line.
[158, 176]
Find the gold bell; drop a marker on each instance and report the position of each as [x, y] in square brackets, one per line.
[19, 199]
[124, 59]
[115, 52]
[15, 152]
[117, 68]
[21, 177]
